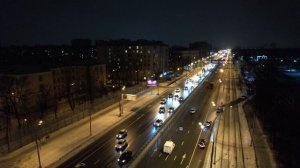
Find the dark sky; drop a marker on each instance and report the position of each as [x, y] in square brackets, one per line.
[224, 23]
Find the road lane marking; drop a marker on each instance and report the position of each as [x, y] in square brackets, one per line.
[182, 143]
[193, 123]
[188, 131]
[136, 120]
[159, 155]
[153, 152]
[183, 157]
[167, 157]
[175, 157]
[96, 161]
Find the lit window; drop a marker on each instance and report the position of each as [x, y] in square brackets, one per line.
[137, 47]
[125, 51]
[129, 47]
[148, 51]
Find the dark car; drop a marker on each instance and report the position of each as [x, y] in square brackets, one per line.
[186, 88]
[171, 109]
[219, 109]
[243, 97]
[125, 157]
[80, 165]
[122, 134]
[163, 101]
[201, 145]
[176, 96]
[162, 110]
[180, 99]
[170, 95]
[121, 145]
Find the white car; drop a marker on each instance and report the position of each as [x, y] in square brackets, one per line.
[158, 123]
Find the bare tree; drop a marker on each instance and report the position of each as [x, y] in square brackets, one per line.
[43, 99]
[70, 89]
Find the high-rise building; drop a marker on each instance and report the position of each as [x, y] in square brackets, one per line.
[130, 62]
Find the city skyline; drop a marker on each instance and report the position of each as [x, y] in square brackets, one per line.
[223, 24]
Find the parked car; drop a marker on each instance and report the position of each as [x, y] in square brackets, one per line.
[122, 134]
[170, 95]
[125, 157]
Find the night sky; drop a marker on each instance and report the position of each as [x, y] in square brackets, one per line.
[230, 23]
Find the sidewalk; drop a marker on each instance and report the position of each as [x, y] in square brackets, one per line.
[263, 152]
[68, 141]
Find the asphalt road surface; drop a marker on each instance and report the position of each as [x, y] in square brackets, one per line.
[140, 130]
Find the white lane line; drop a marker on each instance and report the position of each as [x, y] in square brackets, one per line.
[188, 131]
[182, 143]
[96, 162]
[136, 120]
[153, 152]
[175, 157]
[159, 155]
[183, 157]
[193, 123]
[167, 157]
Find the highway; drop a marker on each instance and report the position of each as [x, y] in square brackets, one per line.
[140, 130]
[226, 139]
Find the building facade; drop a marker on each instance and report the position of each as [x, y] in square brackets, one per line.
[130, 62]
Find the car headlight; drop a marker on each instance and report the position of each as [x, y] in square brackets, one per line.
[118, 160]
[123, 161]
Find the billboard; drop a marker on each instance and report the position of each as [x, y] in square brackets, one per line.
[131, 97]
[151, 83]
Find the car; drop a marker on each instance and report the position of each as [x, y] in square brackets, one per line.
[170, 95]
[122, 134]
[171, 109]
[125, 157]
[219, 109]
[193, 110]
[158, 123]
[201, 145]
[163, 101]
[243, 97]
[162, 109]
[207, 124]
[176, 96]
[121, 145]
[180, 99]
[79, 165]
[186, 88]
[177, 90]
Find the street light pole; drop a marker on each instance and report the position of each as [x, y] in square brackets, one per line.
[37, 144]
[121, 101]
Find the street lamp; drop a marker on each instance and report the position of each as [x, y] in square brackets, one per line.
[121, 101]
[37, 144]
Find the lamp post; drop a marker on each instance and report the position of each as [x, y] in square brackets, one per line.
[121, 101]
[37, 144]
